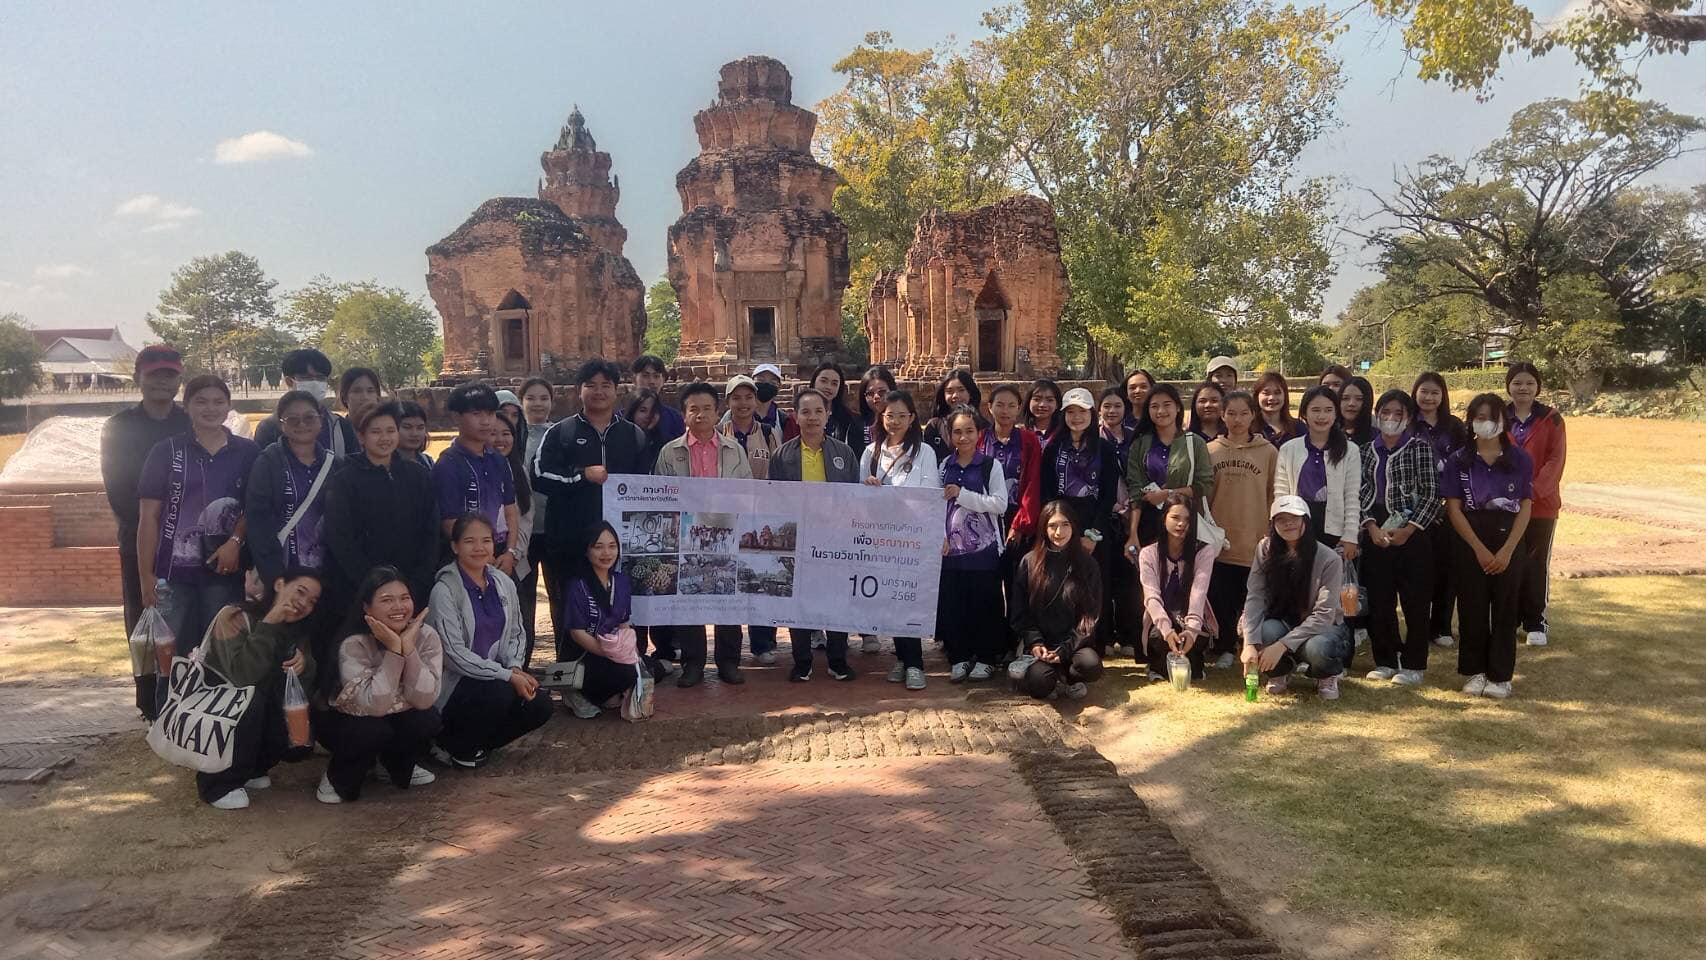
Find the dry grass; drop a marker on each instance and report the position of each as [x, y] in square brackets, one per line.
[9, 444]
[86, 650]
[1663, 454]
[1562, 823]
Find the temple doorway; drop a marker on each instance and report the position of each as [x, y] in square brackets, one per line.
[992, 328]
[515, 333]
[762, 322]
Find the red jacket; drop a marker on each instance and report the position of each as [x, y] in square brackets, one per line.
[1545, 446]
[1030, 493]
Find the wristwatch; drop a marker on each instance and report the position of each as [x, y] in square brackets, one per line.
[1131, 548]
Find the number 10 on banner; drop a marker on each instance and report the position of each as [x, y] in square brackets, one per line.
[865, 586]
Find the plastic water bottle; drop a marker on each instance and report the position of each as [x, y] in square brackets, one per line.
[1252, 680]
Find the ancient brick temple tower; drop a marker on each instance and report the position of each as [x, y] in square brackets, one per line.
[758, 260]
[982, 289]
[534, 286]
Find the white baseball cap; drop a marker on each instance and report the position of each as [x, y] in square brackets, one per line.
[1290, 503]
[1079, 397]
[1219, 362]
[769, 368]
[739, 380]
[507, 396]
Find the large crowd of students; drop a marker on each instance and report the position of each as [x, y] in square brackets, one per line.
[1223, 531]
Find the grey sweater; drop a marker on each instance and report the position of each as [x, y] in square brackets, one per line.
[1325, 578]
[452, 616]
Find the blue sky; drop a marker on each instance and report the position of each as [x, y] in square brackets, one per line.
[344, 138]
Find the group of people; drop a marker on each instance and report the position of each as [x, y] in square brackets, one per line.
[1223, 529]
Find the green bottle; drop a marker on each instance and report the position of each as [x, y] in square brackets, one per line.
[1252, 677]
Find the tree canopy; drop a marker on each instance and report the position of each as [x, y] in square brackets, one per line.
[20, 357]
[212, 305]
[663, 321]
[383, 328]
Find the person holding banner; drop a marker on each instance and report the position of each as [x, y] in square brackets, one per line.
[1056, 599]
[816, 457]
[254, 644]
[969, 607]
[703, 451]
[746, 424]
[901, 458]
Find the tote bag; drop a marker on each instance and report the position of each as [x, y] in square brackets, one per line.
[197, 725]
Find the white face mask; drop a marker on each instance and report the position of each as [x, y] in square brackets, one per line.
[314, 388]
[1392, 428]
[1486, 429]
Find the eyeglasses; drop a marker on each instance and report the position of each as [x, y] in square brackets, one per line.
[895, 415]
[301, 420]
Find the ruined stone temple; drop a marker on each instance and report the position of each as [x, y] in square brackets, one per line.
[982, 289]
[758, 260]
[531, 286]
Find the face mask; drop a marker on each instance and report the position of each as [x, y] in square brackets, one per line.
[1392, 428]
[314, 388]
[766, 392]
[1486, 429]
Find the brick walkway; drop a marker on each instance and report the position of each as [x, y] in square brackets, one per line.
[924, 857]
[44, 727]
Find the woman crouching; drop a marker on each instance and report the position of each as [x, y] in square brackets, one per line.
[596, 611]
[1292, 611]
[383, 709]
[1056, 599]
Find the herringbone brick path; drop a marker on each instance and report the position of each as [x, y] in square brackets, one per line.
[928, 857]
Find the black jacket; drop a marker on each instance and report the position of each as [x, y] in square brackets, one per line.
[267, 432]
[126, 438]
[1093, 513]
[1048, 620]
[379, 515]
[264, 506]
[576, 505]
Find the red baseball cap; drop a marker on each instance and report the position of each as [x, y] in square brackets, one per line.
[160, 356]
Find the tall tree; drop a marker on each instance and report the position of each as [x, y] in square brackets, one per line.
[663, 321]
[209, 302]
[382, 328]
[308, 311]
[20, 357]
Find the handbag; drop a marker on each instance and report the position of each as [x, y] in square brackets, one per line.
[1208, 531]
[638, 704]
[197, 725]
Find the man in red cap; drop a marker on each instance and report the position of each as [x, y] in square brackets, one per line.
[125, 441]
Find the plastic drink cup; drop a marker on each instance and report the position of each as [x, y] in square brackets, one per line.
[1348, 599]
[296, 721]
[1179, 671]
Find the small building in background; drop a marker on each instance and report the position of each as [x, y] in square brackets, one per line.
[86, 358]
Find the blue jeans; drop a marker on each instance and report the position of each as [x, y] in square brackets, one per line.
[1326, 653]
[188, 609]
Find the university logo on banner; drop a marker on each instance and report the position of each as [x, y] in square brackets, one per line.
[830, 556]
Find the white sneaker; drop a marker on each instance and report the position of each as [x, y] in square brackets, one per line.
[1077, 691]
[1278, 685]
[579, 705]
[980, 671]
[1328, 688]
[261, 782]
[870, 644]
[1476, 686]
[767, 658]
[421, 776]
[1156, 676]
[897, 673]
[1445, 641]
[237, 799]
[1225, 661]
[1408, 678]
[1382, 673]
[326, 794]
[914, 678]
[1498, 691]
[1361, 638]
[959, 672]
[1537, 638]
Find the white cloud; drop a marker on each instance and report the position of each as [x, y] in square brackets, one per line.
[160, 214]
[61, 271]
[260, 146]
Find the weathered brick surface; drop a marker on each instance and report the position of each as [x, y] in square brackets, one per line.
[34, 571]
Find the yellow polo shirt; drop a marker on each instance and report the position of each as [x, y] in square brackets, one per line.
[811, 464]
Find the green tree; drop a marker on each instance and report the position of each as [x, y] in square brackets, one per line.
[20, 357]
[1463, 42]
[259, 352]
[211, 301]
[663, 321]
[382, 328]
[308, 311]
[433, 359]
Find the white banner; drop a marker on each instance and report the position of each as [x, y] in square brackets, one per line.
[832, 556]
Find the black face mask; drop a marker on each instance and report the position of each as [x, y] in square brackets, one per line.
[766, 391]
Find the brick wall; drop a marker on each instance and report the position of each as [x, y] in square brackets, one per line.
[36, 572]
[79, 519]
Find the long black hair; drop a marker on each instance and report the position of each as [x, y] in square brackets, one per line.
[1285, 574]
[640, 400]
[355, 623]
[1433, 377]
[1398, 396]
[1068, 576]
[517, 458]
[1043, 384]
[1164, 390]
[584, 565]
[1337, 443]
[1360, 429]
[876, 374]
[943, 407]
[1287, 424]
[1196, 421]
[1188, 556]
[261, 605]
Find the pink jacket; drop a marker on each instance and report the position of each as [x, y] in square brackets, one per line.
[1199, 616]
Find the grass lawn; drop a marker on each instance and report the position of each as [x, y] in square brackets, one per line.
[1562, 823]
[1666, 454]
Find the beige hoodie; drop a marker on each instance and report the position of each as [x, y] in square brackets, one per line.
[1243, 491]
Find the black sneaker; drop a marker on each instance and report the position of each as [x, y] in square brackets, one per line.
[730, 674]
[800, 673]
[841, 671]
[691, 675]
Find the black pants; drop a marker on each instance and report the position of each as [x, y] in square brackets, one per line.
[1156, 650]
[1010, 558]
[1041, 678]
[970, 620]
[1394, 575]
[397, 742]
[1228, 585]
[835, 649]
[1440, 539]
[132, 586]
[1318, 525]
[1536, 576]
[909, 651]
[605, 678]
[487, 714]
[1124, 606]
[1487, 606]
[690, 642]
[527, 593]
[258, 744]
